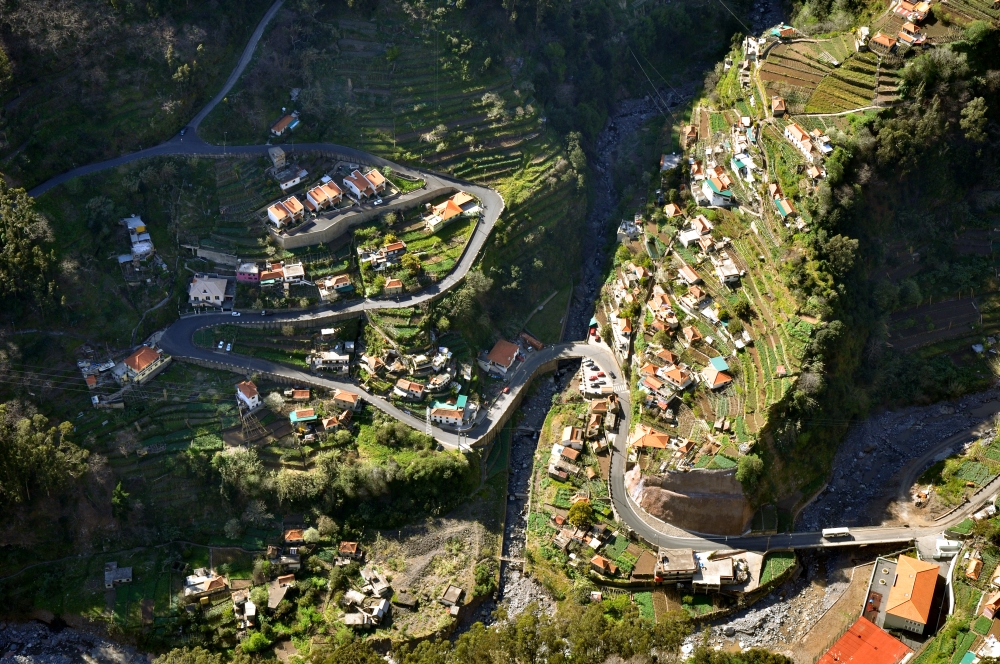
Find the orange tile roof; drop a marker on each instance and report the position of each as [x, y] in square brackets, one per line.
[667, 356]
[278, 210]
[91, 380]
[672, 210]
[376, 178]
[300, 394]
[247, 388]
[461, 198]
[142, 358]
[394, 283]
[884, 40]
[332, 190]
[344, 395]
[395, 246]
[447, 413]
[797, 133]
[447, 210]
[340, 280]
[293, 205]
[272, 274]
[689, 274]
[648, 369]
[294, 535]
[348, 547]
[282, 124]
[645, 436]
[359, 181]
[913, 589]
[865, 643]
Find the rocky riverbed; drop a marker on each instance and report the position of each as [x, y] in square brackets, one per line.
[38, 643]
[883, 456]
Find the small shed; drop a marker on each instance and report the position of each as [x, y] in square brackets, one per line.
[452, 596]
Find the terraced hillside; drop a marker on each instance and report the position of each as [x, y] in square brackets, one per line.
[852, 85]
[829, 76]
[405, 94]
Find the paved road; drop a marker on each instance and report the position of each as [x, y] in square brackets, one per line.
[245, 59]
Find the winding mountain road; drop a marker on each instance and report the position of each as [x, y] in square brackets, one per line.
[177, 340]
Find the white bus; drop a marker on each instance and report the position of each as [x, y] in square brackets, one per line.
[834, 533]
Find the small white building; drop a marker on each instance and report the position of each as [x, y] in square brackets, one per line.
[247, 394]
[331, 360]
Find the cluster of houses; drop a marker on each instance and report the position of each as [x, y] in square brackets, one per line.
[382, 257]
[436, 368]
[139, 240]
[566, 458]
[307, 423]
[324, 195]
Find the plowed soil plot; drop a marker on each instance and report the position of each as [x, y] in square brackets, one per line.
[770, 72]
[930, 323]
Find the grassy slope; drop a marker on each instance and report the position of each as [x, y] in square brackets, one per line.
[101, 79]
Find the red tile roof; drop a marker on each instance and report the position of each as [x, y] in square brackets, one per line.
[865, 643]
[248, 389]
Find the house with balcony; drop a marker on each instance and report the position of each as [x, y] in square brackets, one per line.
[407, 389]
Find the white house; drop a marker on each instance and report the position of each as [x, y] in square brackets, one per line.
[331, 360]
[207, 291]
[716, 190]
[447, 416]
[799, 137]
[247, 394]
[359, 185]
[407, 389]
[500, 359]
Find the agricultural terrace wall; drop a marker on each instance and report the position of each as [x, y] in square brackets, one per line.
[340, 225]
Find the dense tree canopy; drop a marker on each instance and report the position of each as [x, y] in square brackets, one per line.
[27, 268]
[35, 457]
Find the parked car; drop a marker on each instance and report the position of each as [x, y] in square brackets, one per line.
[377, 201]
[229, 347]
[184, 131]
[236, 313]
[600, 374]
[263, 313]
[221, 343]
[506, 390]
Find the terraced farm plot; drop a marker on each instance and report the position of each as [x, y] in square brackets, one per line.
[438, 252]
[850, 86]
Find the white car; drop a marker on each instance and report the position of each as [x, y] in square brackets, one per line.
[229, 347]
[377, 201]
[236, 313]
[221, 344]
